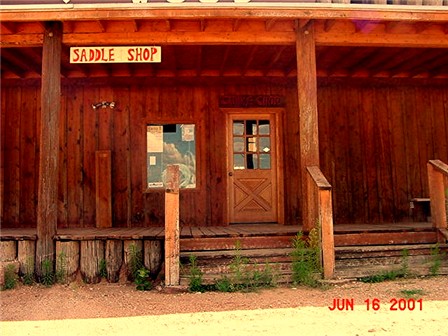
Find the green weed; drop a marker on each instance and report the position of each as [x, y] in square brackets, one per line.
[48, 276]
[195, 279]
[411, 293]
[10, 277]
[61, 268]
[28, 276]
[103, 269]
[142, 280]
[306, 265]
[135, 261]
[436, 258]
[403, 272]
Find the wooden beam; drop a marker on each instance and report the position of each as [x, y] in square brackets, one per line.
[330, 38]
[382, 40]
[49, 145]
[281, 12]
[329, 24]
[307, 100]
[236, 24]
[269, 24]
[172, 245]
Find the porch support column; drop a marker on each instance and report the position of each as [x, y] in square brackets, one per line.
[49, 144]
[307, 99]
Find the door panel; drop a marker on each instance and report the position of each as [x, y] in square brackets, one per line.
[252, 168]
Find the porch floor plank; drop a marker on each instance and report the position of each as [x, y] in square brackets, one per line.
[237, 230]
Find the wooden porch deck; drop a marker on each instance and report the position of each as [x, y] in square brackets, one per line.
[240, 230]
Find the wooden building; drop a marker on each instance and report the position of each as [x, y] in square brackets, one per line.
[252, 99]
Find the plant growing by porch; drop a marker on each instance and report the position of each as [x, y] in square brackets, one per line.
[306, 262]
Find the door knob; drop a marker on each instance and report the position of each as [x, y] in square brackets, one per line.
[230, 174]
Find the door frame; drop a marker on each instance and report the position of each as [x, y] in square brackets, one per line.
[277, 115]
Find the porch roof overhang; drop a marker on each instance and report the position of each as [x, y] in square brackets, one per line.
[253, 40]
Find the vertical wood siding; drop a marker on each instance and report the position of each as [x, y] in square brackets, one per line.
[374, 143]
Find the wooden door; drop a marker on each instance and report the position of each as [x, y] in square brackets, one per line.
[252, 168]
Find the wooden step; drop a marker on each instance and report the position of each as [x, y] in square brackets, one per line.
[362, 261]
[249, 253]
[231, 243]
[386, 238]
[348, 252]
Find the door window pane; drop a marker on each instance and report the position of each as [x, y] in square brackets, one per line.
[264, 127]
[265, 161]
[238, 144]
[265, 145]
[238, 127]
[238, 161]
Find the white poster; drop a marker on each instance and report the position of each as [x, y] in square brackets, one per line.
[154, 138]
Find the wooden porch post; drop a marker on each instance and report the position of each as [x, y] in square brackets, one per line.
[172, 244]
[49, 143]
[307, 99]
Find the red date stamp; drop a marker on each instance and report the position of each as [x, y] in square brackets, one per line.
[394, 304]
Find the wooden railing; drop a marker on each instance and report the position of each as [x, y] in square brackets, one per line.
[321, 213]
[438, 193]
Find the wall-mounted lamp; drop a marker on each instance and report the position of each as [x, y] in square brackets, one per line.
[104, 104]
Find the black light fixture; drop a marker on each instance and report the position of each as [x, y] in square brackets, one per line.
[103, 104]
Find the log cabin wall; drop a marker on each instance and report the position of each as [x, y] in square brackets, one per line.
[374, 140]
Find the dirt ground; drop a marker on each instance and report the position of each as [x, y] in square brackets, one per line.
[104, 300]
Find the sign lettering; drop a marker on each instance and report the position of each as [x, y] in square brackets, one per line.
[136, 54]
[247, 101]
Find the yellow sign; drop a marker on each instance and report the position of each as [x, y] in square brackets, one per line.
[135, 54]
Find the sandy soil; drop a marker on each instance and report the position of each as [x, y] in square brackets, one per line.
[276, 311]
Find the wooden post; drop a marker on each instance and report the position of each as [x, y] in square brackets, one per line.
[103, 192]
[172, 227]
[307, 98]
[437, 193]
[326, 220]
[47, 209]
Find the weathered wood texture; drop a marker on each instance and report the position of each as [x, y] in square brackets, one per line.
[67, 259]
[92, 252]
[8, 250]
[375, 141]
[172, 232]
[308, 115]
[153, 256]
[47, 214]
[438, 192]
[322, 216]
[114, 259]
[26, 250]
[103, 191]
